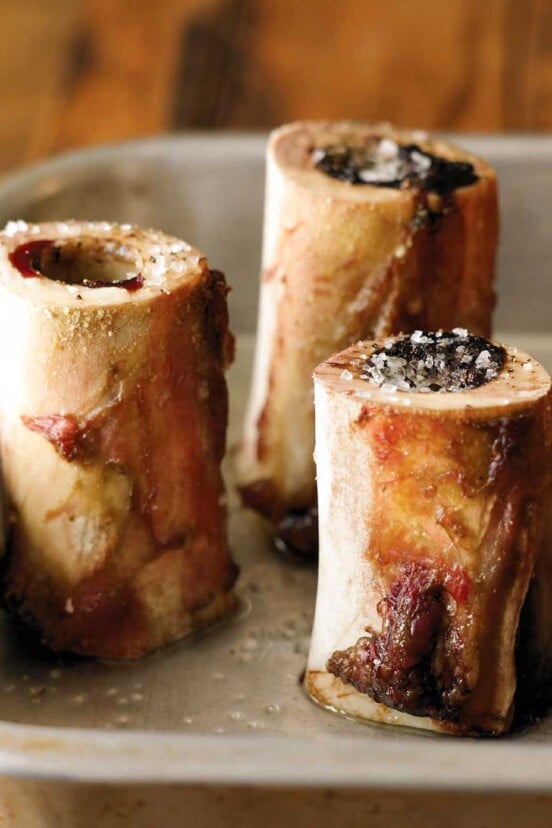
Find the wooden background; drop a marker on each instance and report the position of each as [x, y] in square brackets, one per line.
[79, 72]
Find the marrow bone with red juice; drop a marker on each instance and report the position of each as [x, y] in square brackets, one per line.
[434, 464]
[368, 231]
[113, 414]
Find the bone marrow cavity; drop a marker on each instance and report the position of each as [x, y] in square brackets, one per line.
[94, 263]
[435, 361]
[383, 162]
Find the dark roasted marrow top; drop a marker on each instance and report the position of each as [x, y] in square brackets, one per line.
[384, 163]
[435, 361]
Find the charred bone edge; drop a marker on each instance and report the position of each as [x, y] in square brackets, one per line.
[392, 514]
[343, 262]
[117, 522]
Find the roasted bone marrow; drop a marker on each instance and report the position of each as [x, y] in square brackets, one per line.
[383, 162]
[113, 416]
[368, 231]
[434, 468]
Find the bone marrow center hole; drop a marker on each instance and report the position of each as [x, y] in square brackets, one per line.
[91, 263]
[383, 162]
[434, 361]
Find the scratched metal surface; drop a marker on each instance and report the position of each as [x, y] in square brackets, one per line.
[228, 705]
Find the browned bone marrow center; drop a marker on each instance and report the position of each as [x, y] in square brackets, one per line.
[443, 361]
[71, 262]
[383, 162]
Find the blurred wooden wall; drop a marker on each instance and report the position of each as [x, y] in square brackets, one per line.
[78, 72]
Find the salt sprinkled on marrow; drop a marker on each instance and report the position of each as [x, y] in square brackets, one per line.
[441, 361]
[383, 162]
[97, 254]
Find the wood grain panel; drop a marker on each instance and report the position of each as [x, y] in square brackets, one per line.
[36, 36]
[417, 63]
[218, 79]
[118, 73]
[527, 88]
[78, 72]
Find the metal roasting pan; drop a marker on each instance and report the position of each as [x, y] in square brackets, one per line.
[227, 707]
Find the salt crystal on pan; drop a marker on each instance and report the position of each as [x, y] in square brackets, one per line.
[527, 366]
[346, 375]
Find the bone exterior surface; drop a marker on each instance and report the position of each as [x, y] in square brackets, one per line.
[113, 414]
[368, 231]
[435, 567]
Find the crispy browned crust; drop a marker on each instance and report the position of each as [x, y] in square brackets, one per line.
[456, 564]
[164, 567]
[337, 269]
